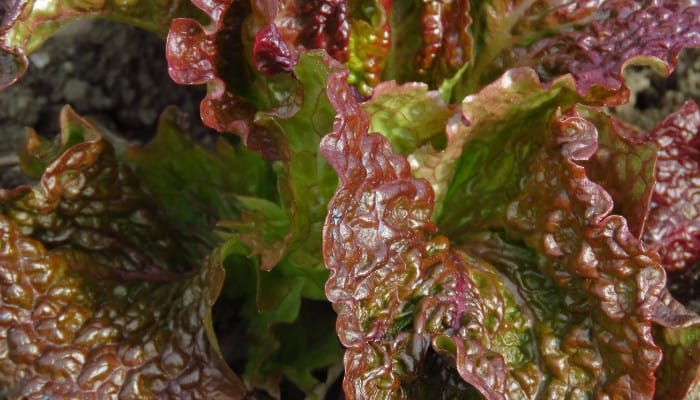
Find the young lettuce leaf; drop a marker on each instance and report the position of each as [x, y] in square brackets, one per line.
[306, 183]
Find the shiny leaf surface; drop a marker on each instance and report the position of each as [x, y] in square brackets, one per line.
[112, 303]
[560, 303]
[674, 219]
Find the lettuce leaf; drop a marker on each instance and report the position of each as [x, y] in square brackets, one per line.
[100, 296]
[673, 225]
[369, 43]
[280, 233]
[198, 188]
[593, 258]
[624, 165]
[295, 271]
[461, 46]
[289, 335]
[679, 375]
[409, 115]
[471, 181]
[487, 248]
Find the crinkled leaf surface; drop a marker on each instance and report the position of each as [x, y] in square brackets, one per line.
[462, 46]
[457, 46]
[193, 52]
[401, 295]
[624, 165]
[591, 40]
[595, 261]
[430, 41]
[99, 296]
[369, 43]
[26, 24]
[471, 181]
[673, 225]
[559, 303]
[207, 200]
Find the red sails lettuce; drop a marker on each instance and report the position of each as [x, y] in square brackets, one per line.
[432, 188]
[552, 296]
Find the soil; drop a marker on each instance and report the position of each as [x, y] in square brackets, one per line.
[113, 74]
[117, 76]
[653, 97]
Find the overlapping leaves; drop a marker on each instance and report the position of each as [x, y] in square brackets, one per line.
[270, 216]
[270, 219]
[543, 289]
[561, 295]
[135, 253]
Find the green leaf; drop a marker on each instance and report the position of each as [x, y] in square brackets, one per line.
[473, 181]
[408, 115]
[198, 188]
[288, 334]
[679, 374]
[305, 181]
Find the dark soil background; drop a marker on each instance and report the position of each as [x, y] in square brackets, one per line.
[116, 75]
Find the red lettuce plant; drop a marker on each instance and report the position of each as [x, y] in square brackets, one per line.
[444, 173]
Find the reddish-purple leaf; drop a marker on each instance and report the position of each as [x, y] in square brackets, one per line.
[673, 225]
[447, 44]
[619, 32]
